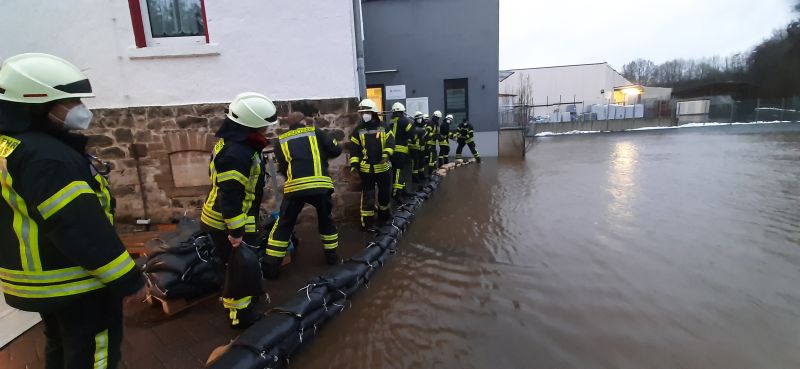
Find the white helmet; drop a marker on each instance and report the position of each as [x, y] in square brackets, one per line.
[425, 116]
[449, 116]
[437, 114]
[252, 109]
[398, 107]
[367, 105]
[418, 114]
[36, 78]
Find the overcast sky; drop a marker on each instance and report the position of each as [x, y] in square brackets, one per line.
[559, 32]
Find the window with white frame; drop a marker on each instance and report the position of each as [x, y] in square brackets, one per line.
[171, 22]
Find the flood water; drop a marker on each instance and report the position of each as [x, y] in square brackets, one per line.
[659, 249]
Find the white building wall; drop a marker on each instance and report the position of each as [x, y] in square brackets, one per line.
[590, 84]
[288, 50]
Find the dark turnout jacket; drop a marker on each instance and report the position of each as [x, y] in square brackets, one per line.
[57, 241]
[302, 155]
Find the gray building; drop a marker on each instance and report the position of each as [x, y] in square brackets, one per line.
[436, 55]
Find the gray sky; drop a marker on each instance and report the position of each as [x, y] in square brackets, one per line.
[558, 32]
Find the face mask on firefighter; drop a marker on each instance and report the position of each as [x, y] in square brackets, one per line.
[366, 117]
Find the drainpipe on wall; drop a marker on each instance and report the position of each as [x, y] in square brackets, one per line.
[359, 28]
[145, 220]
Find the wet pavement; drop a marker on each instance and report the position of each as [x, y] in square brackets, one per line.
[659, 249]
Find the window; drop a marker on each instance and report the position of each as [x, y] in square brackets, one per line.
[375, 93]
[456, 99]
[168, 22]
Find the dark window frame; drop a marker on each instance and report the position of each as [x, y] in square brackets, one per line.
[453, 84]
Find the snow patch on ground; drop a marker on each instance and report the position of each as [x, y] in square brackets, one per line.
[688, 125]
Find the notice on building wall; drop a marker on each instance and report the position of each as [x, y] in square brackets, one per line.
[396, 92]
[415, 104]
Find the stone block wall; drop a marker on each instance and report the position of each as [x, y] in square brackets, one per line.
[160, 155]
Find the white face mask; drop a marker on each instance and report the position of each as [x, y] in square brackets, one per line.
[78, 118]
[366, 117]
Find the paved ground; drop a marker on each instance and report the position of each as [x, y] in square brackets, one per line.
[154, 341]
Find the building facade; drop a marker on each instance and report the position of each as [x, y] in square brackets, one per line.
[164, 70]
[556, 88]
[436, 55]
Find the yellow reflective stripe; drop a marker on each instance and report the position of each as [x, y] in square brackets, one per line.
[250, 189]
[114, 269]
[105, 197]
[307, 187]
[101, 350]
[271, 241]
[231, 303]
[383, 207]
[276, 253]
[7, 145]
[354, 140]
[367, 213]
[315, 156]
[46, 276]
[329, 237]
[288, 156]
[63, 197]
[236, 222]
[211, 222]
[388, 151]
[401, 148]
[354, 159]
[234, 175]
[363, 144]
[296, 132]
[25, 228]
[56, 290]
[330, 246]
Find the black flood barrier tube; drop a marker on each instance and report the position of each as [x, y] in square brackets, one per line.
[271, 341]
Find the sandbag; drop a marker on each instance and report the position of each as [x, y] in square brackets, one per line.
[159, 283]
[385, 241]
[352, 290]
[401, 223]
[176, 263]
[203, 275]
[340, 276]
[243, 275]
[335, 308]
[405, 214]
[368, 255]
[268, 332]
[389, 230]
[316, 317]
[185, 291]
[307, 300]
[238, 357]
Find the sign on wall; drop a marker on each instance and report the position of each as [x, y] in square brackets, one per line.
[415, 104]
[396, 92]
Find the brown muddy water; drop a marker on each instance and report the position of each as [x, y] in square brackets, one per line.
[660, 249]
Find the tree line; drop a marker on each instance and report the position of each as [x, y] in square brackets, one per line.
[773, 66]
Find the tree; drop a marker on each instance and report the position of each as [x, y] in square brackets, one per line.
[639, 71]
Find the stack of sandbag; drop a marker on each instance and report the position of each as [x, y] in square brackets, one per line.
[180, 264]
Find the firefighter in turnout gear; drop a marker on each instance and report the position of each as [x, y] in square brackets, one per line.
[372, 146]
[444, 140]
[403, 132]
[432, 133]
[418, 149]
[303, 154]
[466, 136]
[237, 186]
[59, 253]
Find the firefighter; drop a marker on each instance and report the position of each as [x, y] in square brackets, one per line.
[303, 154]
[237, 186]
[372, 146]
[433, 138]
[466, 136]
[417, 147]
[59, 253]
[444, 140]
[426, 150]
[403, 132]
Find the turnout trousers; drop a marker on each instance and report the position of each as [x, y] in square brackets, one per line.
[401, 166]
[370, 184]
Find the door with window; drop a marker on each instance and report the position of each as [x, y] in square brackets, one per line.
[456, 99]
[375, 93]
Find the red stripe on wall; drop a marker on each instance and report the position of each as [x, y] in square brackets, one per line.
[138, 24]
[205, 20]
